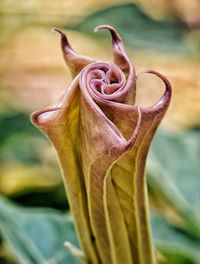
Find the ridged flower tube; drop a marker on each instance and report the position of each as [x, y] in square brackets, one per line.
[102, 140]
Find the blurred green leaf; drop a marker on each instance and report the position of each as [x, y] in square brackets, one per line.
[174, 174]
[37, 235]
[176, 246]
[12, 122]
[17, 148]
[24, 160]
[137, 28]
[53, 197]
[17, 137]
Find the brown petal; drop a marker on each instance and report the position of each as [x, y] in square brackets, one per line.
[75, 61]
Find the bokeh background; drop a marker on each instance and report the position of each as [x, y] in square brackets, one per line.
[160, 34]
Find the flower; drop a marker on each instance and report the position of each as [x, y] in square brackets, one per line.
[102, 140]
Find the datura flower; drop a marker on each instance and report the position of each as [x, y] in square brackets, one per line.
[102, 140]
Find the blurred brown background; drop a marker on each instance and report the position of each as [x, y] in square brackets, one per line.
[32, 70]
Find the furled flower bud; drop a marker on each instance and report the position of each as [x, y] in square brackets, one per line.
[102, 140]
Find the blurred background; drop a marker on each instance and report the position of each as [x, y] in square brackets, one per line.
[163, 35]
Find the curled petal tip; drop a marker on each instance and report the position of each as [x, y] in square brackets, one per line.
[96, 29]
[114, 33]
[56, 30]
[42, 118]
[74, 60]
[104, 27]
[66, 47]
[168, 87]
[165, 99]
